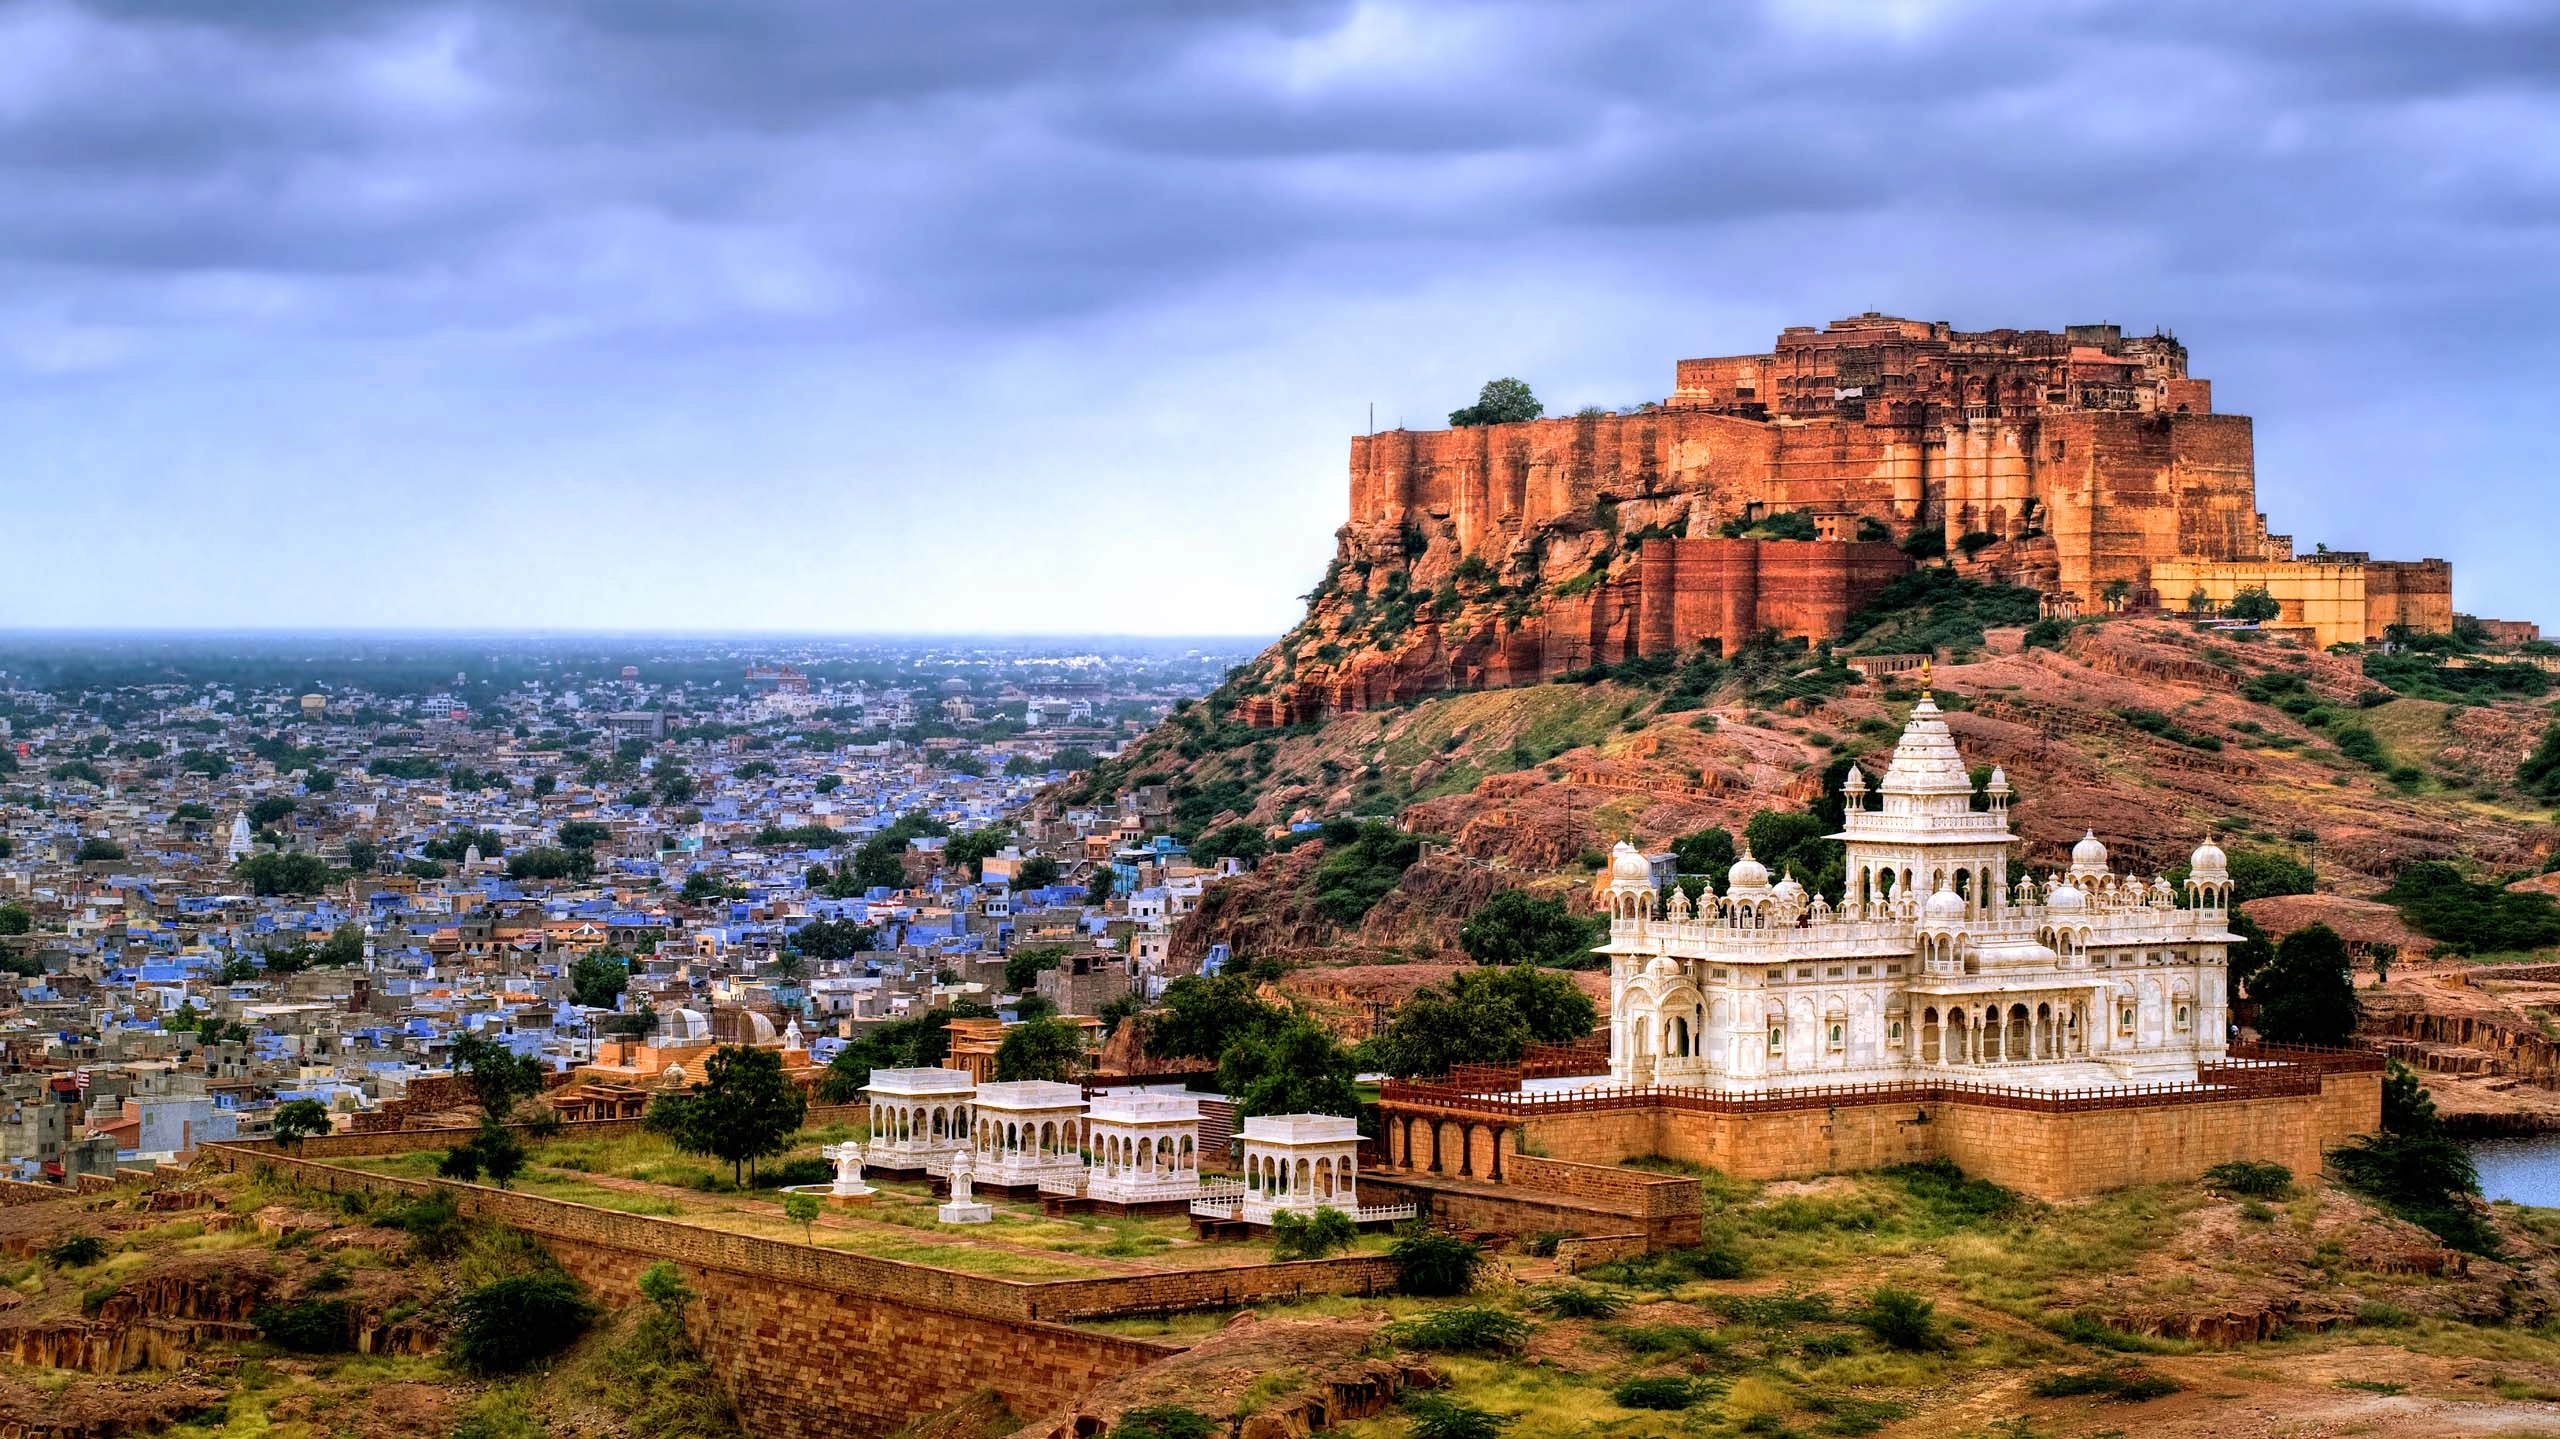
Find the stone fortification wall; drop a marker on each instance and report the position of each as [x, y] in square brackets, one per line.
[2416, 594]
[816, 1341]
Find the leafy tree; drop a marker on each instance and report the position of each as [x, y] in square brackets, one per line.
[2415, 1168]
[829, 939]
[2307, 995]
[508, 1323]
[2253, 603]
[1097, 891]
[1037, 872]
[94, 851]
[77, 771]
[298, 1119]
[1311, 1236]
[1925, 544]
[582, 834]
[1515, 928]
[2539, 775]
[802, 1209]
[2245, 959]
[363, 855]
[1023, 967]
[1042, 1049]
[967, 853]
[2470, 918]
[1295, 1068]
[269, 810]
[1240, 840]
[1794, 841]
[1783, 525]
[343, 949]
[1501, 402]
[544, 862]
[1483, 1016]
[498, 1077]
[1706, 853]
[745, 1108]
[1202, 1015]
[1433, 1265]
[703, 887]
[456, 845]
[274, 874]
[919, 1043]
[597, 980]
[16, 918]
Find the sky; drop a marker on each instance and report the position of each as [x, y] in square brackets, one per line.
[1022, 316]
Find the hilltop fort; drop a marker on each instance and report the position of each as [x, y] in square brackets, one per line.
[2084, 463]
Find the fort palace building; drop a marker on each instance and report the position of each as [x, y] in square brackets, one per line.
[1938, 962]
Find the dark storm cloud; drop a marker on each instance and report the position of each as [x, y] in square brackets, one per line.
[930, 163]
[484, 210]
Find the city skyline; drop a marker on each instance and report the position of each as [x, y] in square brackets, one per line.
[568, 318]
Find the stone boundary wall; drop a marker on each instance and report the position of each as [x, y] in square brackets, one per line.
[813, 1342]
[1584, 1250]
[801, 1266]
[1629, 1191]
[2050, 1154]
[1512, 1209]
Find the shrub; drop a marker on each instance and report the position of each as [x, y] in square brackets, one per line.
[2307, 995]
[1545, 1243]
[508, 1323]
[76, 1252]
[1579, 1301]
[2250, 1178]
[1433, 1265]
[434, 1226]
[1783, 1310]
[1311, 1236]
[2124, 1383]
[308, 1326]
[1901, 1319]
[1163, 1421]
[1437, 1416]
[1657, 1393]
[804, 1170]
[2472, 918]
[2083, 1326]
[1468, 1329]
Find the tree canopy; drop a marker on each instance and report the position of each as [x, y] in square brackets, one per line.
[1481, 1016]
[745, 1108]
[1514, 927]
[2307, 994]
[597, 980]
[1049, 1049]
[1501, 402]
[1293, 1068]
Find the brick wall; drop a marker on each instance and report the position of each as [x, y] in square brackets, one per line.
[1626, 1190]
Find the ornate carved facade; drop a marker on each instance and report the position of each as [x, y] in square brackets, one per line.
[1935, 964]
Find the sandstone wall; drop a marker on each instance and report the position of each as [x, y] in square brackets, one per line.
[815, 1342]
[2415, 593]
[2051, 1155]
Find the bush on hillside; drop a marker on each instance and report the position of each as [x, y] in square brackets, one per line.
[508, 1323]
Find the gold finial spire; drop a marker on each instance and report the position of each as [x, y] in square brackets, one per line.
[1924, 676]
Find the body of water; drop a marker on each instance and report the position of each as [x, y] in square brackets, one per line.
[2524, 1170]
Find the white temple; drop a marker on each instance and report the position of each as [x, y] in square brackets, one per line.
[1935, 965]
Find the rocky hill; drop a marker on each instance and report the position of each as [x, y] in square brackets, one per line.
[2151, 732]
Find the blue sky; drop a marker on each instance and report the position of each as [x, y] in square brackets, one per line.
[1022, 316]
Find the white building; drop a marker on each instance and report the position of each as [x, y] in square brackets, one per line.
[1298, 1163]
[919, 1117]
[1026, 1131]
[1935, 965]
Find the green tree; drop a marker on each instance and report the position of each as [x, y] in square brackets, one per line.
[1707, 854]
[1037, 872]
[597, 980]
[1042, 1049]
[1482, 1016]
[2307, 995]
[509, 1323]
[344, 947]
[1515, 928]
[802, 1209]
[96, 851]
[582, 834]
[298, 1119]
[745, 1108]
[2539, 775]
[16, 918]
[1023, 967]
[1501, 402]
[830, 939]
[1097, 891]
[967, 853]
[498, 1077]
[1240, 840]
[363, 855]
[277, 874]
[269, 810]
[1311, 1236]
[2253, 603]
[1202, 1015]
[546, 862]
[919, 1043]
[1294, 1068]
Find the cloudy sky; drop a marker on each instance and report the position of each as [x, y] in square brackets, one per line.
[1037, 315]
